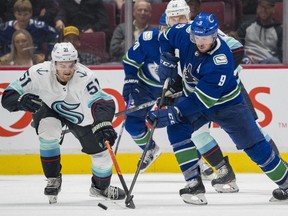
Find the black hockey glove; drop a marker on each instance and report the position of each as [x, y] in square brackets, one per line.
[103, 132]
[29, 102]
[172, 89]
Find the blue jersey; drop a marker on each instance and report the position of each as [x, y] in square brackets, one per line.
[40, 32]
[208, 79]
[142, 59]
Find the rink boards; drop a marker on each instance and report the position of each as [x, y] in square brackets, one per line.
[267, 87]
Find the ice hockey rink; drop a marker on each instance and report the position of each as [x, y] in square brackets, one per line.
[154, 194]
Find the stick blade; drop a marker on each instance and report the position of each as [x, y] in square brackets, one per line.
[130, 204]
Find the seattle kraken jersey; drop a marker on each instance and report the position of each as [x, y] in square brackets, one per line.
[72, 101]
[208, 79]
[142, 59]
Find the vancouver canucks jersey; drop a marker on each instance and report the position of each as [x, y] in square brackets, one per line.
[142, 59]
[208, 79]
[72, 101]
[40, 32]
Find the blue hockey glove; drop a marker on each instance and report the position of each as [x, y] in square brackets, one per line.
[166, 116]
[168, 67]
[29, 102]
[103, 132]
[132, 88]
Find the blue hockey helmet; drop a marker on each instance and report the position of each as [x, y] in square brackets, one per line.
[204, 25]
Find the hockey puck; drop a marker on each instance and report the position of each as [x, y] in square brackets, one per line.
[102, 206]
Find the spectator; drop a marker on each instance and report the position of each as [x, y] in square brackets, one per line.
[43, 36]
[194, 7]
[71, 34]
[22, 51]
[262, 37]
[141, 13]
[43, 10]
[88, 16]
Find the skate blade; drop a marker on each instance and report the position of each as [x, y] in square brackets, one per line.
[155, 157]
[197, 199]
[231, 187]
[52, 199]
[274, 200]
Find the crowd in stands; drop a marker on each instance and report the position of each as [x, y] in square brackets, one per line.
[42, 23]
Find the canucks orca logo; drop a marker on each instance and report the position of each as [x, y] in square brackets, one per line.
[189, 78]
[65, 111]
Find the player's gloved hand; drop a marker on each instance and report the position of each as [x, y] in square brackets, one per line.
[166, 116]
[133, 89]
[103, 132]
[168, 67]
[130, 89]
[29, 102]
[172, 89]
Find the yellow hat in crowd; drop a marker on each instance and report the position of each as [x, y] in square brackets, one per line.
[71, 30]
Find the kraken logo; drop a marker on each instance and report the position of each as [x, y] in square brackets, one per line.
[65, 111]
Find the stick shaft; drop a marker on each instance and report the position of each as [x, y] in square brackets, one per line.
[144, 105]
[121, 178]
[122, 126]
[129, 197]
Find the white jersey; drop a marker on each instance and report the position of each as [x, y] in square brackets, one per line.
[72, 101]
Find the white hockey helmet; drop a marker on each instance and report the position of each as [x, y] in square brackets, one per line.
[177, 8]
[64, 51]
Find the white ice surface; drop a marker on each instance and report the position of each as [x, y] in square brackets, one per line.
[154, 194]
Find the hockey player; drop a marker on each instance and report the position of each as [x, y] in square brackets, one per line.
[211, 94]
[64, 92]
[225, 181]
[142, 83]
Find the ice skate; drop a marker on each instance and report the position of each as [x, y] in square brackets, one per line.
[279, 195]
[206, 171]
[225, 180]
[53, 188]
[111, 192]
[194, 191]
[150, 157]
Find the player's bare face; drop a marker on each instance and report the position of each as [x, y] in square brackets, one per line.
[177, 19]
[203, 43]
[65, 71]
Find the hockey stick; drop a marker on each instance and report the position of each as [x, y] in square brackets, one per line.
[129, 197]
[129, 204]
[145, 105]
[123, 126]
